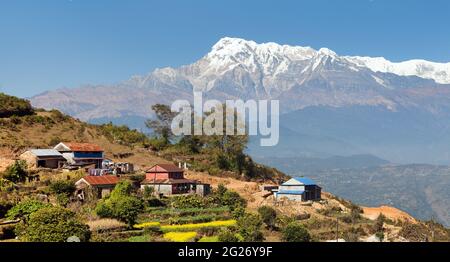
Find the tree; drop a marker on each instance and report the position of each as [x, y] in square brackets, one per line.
[121, 204]
[162, 125]
[250, 228]
[268, 216]
[24, 209]
[52, 224]
[296, 232]
[13, 106]
[16, 172]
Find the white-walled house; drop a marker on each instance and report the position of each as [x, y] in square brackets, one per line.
[299, 189]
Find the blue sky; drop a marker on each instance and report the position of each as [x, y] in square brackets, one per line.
[49, 44]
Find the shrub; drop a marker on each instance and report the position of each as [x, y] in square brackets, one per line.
[16, 172]
[188, 201]
[295, 232]
[120, 204]
[224, 197]
[52, 224]
[25, 208]
[268, 216]
[4, 207]
[227, 235]
[6, 185]
[249, 227]
[65, 187]
[13, 106]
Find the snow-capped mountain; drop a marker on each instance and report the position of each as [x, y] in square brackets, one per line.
[388, 98]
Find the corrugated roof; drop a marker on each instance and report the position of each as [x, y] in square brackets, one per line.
[306, 181]
[291, 192]
[101, 180]
[164, 168]
[83, 147]
[45, 152]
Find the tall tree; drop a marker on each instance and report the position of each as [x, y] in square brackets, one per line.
[161, 125]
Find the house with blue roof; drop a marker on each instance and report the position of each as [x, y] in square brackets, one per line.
[299, 189]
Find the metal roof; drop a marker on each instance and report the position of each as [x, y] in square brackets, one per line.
[101, 180]
[305, 180]
[45, 152]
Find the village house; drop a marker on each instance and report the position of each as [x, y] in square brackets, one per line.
[168, 179]
[43, 158]
[81, 153]
[95, 186]
[299, 189]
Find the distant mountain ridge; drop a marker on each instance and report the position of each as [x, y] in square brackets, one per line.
[411, 98]
[238, 68]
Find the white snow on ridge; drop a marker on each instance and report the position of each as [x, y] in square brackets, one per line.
[274, 58]
[440, 72]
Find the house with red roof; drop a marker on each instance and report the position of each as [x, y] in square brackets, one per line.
[168, 179]
[95, 186]
[81, 153]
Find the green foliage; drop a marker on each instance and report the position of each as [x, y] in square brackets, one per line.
[268, 216]
[189, 201]
[227, 235]
[17, 172]
[296, 232]
[121, 204]
[25, 208]
[162, 125]
[4, 207]
[62, 199]
[6, 185]
[249, 227]
[123, 135]
[52, 224]
[13, 106]
[224, 197]
[62, 187]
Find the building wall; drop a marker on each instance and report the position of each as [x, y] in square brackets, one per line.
[292, 188]
[289, 197]
[203, 189]
[151, 175]
[164, 189]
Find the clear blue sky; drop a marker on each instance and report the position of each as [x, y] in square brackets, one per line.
[49, 44]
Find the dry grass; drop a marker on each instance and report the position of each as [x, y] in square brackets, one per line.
[106, 224]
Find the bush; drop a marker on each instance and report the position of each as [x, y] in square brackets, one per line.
[52, 224]
[25, 208]
[121, 205]
[188, 201]
[16, 172]
[4, 207]
[6, 185]
[65, 187]
[268, 216]
[13, 106]
[224, 197]
[227, 235]
[249, 227]
[295, 232]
